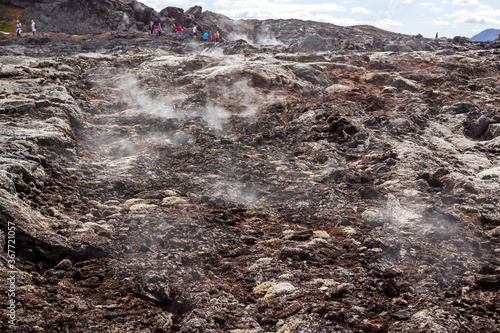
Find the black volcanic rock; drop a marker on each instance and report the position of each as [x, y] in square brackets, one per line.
[172, 185]
[258, 184]
[315, 43]
[195, 12]
[177, 14]
[84, 16]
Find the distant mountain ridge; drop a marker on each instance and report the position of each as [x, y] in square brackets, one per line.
[487, 35]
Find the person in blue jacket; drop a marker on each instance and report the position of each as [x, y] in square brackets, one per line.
[18, 28]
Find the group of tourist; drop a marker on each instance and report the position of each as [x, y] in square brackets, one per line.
[19, 28]
[211, 37]
[207, 36]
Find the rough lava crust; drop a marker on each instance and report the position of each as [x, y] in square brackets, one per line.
[336, 183]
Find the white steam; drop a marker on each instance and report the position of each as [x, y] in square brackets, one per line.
[137, 7]
[133, 95]
[268, 39]
[215, 116]
[238, 93]
[126, 19]
[244, 30]
[236, 192]
[225, 99]
[137, 97]
[265, 39]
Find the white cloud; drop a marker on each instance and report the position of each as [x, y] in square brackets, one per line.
[478, 20]
[482, 15]
[158, 5]
[360, 10]
[387, 23]
[429, 4]
[488, 8]
[466, 2]
[440, 22]
[223, 3]
[267, 9]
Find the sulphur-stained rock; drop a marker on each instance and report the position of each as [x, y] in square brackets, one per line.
[268, 182]
[271, 290]
[137, 208]
[375, 326]
[494, 233]
[65, 264]
[173, 201]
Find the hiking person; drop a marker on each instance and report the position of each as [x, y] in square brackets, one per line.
[18, 28]
[217, 36]
[33, 27]
[179, 29]
[159, 29]
[205, 36]
[151, 27]
[195, 28]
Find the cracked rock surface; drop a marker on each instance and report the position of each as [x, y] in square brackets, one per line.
[177, 186]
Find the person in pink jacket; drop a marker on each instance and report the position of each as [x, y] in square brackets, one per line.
[159, 29]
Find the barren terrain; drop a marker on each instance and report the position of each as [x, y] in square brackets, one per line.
[167, 185]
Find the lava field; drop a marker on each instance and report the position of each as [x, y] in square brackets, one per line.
[167, 185]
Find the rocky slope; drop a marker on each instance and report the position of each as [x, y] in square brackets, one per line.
[93, 17]
[167, 185]
[83, 16]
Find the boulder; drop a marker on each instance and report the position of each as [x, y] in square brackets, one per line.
[177, 14]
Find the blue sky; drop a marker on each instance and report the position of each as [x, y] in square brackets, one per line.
[447, 17]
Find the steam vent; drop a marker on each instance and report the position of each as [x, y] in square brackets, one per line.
[345, 180]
